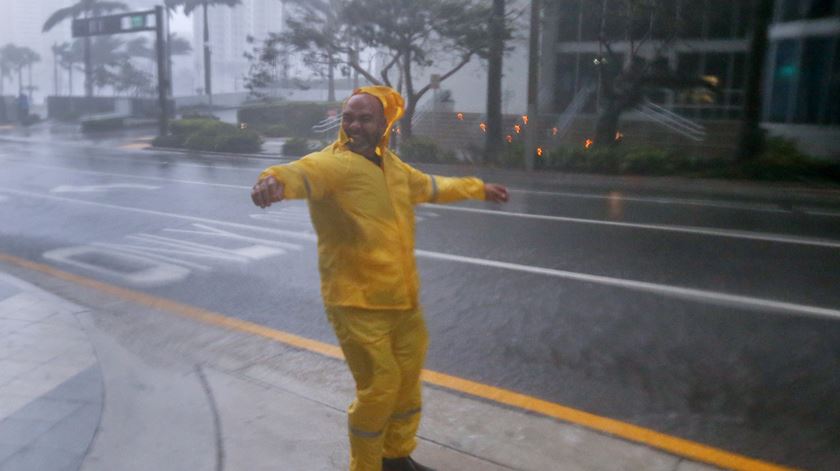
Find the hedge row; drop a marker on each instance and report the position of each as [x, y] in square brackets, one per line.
[210, 135]
[780, 160]
[294, 119]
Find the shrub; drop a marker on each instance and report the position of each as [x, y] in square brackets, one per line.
[780, 160]
[276, 130]
[170, 140]
[649, 161]
[297, 117]
[104, 124]
[424, 149]
[210, 135]
[241, 141]
[31, 119]
[296, 147]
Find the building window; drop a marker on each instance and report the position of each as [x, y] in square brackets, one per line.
[792, 10]
[833, 102]
[564, 81]
[784, 75]
[692, 19]
[812, 99]
[720, 16]
[569, 13]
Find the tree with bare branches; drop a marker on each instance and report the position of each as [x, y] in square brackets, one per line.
[646, 29]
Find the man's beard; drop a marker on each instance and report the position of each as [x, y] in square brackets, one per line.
[362, 142]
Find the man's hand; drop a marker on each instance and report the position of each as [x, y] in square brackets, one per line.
[495, 193]
[267, 191]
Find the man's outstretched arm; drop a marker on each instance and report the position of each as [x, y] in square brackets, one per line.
[309, 177]
[426, 188]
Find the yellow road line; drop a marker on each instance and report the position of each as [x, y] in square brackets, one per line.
[677, 446]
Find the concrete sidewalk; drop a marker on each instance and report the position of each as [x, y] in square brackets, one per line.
[120, 386]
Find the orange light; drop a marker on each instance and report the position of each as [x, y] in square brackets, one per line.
[243, 125]
[539, 152]
[398, 131]
[483, 127]
[554, 131]
[517, 128]
[587, 143]
[619, 136]
[525, 119]
[509, 138]
[459, 116]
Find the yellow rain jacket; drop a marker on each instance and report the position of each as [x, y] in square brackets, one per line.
[364, 215]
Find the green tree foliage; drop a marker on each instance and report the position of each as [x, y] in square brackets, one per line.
[417, 35]
[17, 58]
[318, 30]
[84, 9]
[412, 35]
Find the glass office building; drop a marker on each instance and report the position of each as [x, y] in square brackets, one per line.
[803, 80]
[709, 38]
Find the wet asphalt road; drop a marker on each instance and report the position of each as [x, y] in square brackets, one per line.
[708, 316]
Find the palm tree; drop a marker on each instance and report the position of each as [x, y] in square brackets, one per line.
[189, 6]
[6, 66]
[86, 9]
[29, 57]
[18, 58]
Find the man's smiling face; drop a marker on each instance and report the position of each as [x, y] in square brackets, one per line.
[363, 120]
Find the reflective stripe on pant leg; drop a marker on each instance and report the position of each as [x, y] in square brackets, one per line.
[365, 339]
[410, 340]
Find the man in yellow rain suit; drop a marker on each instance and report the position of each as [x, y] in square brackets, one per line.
[361, 199]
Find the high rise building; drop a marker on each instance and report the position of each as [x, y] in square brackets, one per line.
[229, 28]
[711, 38]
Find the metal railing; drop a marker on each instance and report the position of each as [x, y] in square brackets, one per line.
[668, 119]
[327, 124]
[564, 121]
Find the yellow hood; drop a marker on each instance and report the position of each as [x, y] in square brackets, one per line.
[394, 107]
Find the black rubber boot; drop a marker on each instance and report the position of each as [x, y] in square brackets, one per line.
[403, 464]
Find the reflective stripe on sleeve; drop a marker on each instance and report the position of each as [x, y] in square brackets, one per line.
[434, 189]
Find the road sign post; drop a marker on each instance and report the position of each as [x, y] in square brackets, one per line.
[151, 20]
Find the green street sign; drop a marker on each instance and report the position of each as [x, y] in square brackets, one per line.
[114, 24]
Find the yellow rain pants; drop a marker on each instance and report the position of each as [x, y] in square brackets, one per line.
[385, 350]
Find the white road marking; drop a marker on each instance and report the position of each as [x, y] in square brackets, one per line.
[772, 208]
[711, 297]
[821, 212]
[101, 188]
[711, 203]
[142, 272]
[155, 163]
[143, 177]
[703, 296]
[710, 231]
